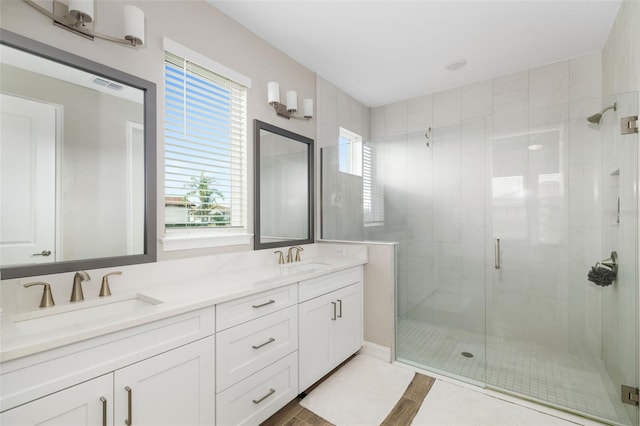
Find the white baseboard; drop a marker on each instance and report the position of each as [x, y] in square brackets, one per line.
[376, 351]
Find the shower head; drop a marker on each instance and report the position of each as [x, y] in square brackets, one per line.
[595, 118]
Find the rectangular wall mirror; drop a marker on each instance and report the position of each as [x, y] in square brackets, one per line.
[284, 214]
[77, 164]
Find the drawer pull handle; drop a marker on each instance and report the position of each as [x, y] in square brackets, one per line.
[263, 304]
[258, 401]
[129, 420]
[334, 311]
[339, 308]
[104, 410]
[271, 340]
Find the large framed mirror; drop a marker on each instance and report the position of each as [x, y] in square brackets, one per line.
[77, 162]
[284, 214]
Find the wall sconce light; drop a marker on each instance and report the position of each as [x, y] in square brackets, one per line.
[77, 17]
[289, 110]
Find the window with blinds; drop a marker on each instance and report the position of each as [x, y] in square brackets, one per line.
[205, 148]
[372, 188]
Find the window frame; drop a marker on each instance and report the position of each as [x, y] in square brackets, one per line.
[179, 238]
[355, 147]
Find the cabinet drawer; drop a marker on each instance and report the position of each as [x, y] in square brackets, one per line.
[315, 287]
[251, 307]
[259, 396]
[25, 379]
[249, 347]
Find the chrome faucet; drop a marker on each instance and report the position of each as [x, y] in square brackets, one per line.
[290, 254]
[76, 292]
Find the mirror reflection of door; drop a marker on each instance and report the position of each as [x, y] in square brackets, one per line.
[135, 188]
[28, 181]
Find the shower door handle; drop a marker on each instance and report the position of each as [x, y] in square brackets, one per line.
[497, 254]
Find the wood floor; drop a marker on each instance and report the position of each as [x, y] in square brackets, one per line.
[293, 414]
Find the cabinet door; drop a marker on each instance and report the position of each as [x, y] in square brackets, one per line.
[315, 352]
[173, 388]
[348, 326]
[74, 406]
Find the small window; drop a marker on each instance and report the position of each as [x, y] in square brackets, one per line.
[205, 149]
[350, 152]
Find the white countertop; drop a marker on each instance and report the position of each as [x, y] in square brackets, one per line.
[176, 297]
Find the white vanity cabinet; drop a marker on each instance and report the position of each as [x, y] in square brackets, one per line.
[330, 323]
[158, 373]
[235, 363]
[175, 388]
[89, 403]
[167, 389]
[256, 356]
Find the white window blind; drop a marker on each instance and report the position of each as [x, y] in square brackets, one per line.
[205, 148]
[372, 189]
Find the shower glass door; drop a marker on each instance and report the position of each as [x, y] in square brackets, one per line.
[562, 196]
[440, 225]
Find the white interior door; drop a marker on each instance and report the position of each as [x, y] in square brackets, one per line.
[27, 181]
[135, 186]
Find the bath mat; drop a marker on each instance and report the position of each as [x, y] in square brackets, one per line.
[475, 408]
[362, 392]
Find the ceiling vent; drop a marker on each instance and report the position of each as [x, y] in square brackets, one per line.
[457, 65]
[106, 83]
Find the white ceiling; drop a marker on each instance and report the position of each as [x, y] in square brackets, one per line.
[385, 51]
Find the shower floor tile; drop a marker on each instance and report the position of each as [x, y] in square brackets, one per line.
[577, 382]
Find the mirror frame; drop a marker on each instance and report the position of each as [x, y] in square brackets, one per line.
[257, 243]
[33, 47]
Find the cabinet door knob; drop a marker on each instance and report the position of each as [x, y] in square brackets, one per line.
[334, 311]
[129, 420]
[339, 308]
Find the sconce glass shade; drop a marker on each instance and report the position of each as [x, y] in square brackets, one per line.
[307, 108]
[81, 10]
[273, 92]
[134, 25]
[292, 101]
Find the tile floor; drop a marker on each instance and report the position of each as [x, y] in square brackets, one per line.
[574, 381]
[430, 402]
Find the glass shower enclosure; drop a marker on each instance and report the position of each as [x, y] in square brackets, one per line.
[499, 223]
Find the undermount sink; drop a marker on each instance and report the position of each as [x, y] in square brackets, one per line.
[81, 312]
[306, 267]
